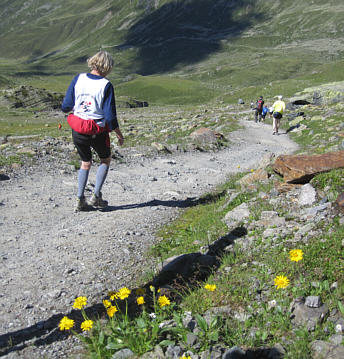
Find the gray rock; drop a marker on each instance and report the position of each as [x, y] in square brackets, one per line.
[334, 286]
[123, 354]
[213, 353]
[160, 147]
[271, 219]
[188, 321]
[313, 301]
[304, 230]
[314, 211]
[173, 352]
[306, 316]
[237, 215]
[157, 353]
[336, 339]
[326, 350]
[269, 232]
[191, 339]
[307, 195]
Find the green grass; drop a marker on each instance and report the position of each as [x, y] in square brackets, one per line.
[10, 160]
[16, 122]
[159, 90]
[323, 132]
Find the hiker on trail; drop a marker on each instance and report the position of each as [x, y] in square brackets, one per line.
[271, 111]
[264, 113]
[91, 97]
[278, 109]
[259, 109]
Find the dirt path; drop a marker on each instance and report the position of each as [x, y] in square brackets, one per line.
[49, 255]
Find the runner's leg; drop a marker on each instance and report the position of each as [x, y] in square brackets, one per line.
[101, 145]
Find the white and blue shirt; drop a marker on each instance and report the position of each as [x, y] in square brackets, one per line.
[92, 97]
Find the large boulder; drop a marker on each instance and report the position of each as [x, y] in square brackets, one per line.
[302, 168]
[205, 135]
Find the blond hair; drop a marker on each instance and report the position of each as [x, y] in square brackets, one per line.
[102, 62]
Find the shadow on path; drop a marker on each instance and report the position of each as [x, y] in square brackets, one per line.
[189, 202]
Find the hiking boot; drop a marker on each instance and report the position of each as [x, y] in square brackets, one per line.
[82, 205]
[98, 202]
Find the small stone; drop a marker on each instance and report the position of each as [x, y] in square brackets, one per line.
[336, 339]
[123, 354]
[313, 302]
[334, 286]
[173, 351]
[191, 339]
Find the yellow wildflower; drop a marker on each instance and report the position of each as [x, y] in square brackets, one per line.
[210, 287]
[281, 281]
[111, 311]
[86, 325]
[184, 357]
[151, 287]
[140, 300]
[140, 291]
[66, 323]
[106, 303]
[113, 295]
[123, 293]
[80, 302]
[296, 255]
[163, 300]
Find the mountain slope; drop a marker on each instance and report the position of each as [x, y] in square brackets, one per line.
[226, 45]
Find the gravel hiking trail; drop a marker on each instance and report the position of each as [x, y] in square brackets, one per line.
[50, 255]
